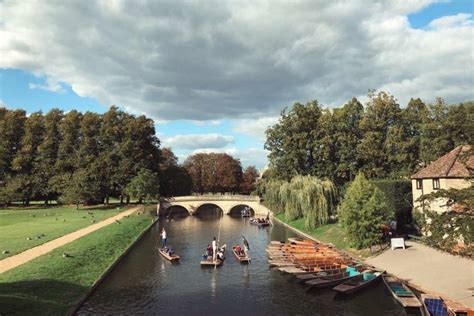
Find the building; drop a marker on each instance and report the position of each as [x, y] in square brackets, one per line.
[451, 171]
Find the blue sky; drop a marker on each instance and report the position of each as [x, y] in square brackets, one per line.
[218, 88]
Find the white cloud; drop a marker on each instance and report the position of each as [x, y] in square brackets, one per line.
[50, 85]
[213, 60]
[450, 21]
[254, 127]
[195, 141]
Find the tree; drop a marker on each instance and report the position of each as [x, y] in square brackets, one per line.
[144, 186]
[291, 141]
[362, 212]
[29, 181]
[81, 187]
[249, 177]
[382, 113]
[11, 130]
[174, 179]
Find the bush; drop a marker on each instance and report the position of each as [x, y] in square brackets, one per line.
[362, 213]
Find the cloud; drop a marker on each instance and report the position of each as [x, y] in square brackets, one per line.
[256, 127]
[50, 85]
[195, 141]
[217, 59]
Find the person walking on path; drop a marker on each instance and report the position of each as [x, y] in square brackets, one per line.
[214, 249]
[163, 238]
[246, 245]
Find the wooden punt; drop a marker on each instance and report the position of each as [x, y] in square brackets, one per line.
[317, 275]
[302, 241]
[358, 283]
[329, 281]
[173, 257]
[211, 263]
[434, 305]
[401, 292]
[264, 224]
[239, 257]
[457, 309]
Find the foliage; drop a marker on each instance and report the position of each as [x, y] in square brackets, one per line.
[446, 230]
[303, 197]
[45, 156]
[383, 140]
[249, 178]
[362, 212]
[174, 179]
[214, 172]
[144, 186]
[399, 199]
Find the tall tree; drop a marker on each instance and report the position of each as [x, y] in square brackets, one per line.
[144, 186]
[12, 123]
[174, 179]
[382, 113]
[291, 141]
[29, 182]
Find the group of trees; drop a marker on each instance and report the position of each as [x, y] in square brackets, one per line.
[382, 139]
[219, 173]
[87, 158]
[74, 157]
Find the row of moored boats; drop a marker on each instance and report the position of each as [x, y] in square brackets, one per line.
[322, 266]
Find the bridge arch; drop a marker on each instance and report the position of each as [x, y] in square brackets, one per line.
[236, 209]
[208, 208]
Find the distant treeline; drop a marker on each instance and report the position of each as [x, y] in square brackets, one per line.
[88, 158]
[381, 139]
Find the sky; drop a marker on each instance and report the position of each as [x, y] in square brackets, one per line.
[215, 74]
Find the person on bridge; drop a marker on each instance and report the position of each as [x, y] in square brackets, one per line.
[214, 249]
[246, 245]
[163, 238]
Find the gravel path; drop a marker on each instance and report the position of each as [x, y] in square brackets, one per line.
[435, 271]
[32, 253]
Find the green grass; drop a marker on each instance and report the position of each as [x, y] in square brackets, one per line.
[329, 233]
[44, 224]
[51, 284]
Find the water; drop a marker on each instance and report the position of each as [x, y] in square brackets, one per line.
[146, 284]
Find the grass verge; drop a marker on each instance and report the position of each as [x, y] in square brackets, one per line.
[22, 229]
[51, 284]
[329, 233]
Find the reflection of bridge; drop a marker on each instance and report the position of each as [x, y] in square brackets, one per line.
[225, 202]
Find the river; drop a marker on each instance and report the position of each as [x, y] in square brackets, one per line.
[146, 284]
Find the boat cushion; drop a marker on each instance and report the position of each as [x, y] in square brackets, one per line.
[368, 276]
[436, 307]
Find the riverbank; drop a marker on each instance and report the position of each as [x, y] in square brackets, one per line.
[329, 233]
[25, 228]
[54, 282]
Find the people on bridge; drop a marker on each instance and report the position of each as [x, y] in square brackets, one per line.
[163, 238]
[246, 245]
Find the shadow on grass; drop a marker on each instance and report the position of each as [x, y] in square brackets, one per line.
[38, 297]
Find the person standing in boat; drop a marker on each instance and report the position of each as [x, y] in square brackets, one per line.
[214, 249]
[246, 246]
[163, 238]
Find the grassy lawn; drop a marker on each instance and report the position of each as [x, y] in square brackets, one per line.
[330, 233]
[44, 224]
[51, 284]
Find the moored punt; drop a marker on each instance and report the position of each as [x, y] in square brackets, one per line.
[302, 241]
[240, 257]
[361, 281]
[210, 263]
[434, 305]
[173, 257]
[457, 309]
[330, 280]
[401, 292]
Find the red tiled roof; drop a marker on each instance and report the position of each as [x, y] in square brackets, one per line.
[451, 165]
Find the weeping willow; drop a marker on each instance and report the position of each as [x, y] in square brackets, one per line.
[304, 196]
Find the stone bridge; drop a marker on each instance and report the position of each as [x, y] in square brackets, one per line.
[225, 202]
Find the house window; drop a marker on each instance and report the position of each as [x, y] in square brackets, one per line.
[435, 184]
[419, 184]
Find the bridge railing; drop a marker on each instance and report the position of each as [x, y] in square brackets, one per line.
[211, 197]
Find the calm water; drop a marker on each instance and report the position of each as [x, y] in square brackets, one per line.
[146, 284]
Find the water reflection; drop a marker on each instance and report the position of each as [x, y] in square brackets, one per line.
[145, 283]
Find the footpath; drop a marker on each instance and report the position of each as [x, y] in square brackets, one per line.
[431, 270]
[32, 253]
